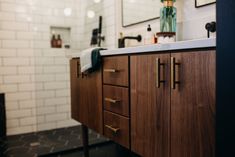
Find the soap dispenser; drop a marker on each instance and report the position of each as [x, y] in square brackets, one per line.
[59, 42]
[149, 37]
[53, 41]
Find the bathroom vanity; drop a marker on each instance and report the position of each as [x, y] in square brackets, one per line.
[156, 100]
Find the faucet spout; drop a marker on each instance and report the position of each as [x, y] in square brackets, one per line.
[121, 43]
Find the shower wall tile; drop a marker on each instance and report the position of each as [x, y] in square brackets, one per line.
[7, 35]
[35, 77]
[15, 26]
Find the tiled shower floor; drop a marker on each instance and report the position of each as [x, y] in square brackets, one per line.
[46, 142]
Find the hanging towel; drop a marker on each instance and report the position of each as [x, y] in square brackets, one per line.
[90, 59]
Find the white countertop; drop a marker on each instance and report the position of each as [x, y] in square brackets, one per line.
[179, 45]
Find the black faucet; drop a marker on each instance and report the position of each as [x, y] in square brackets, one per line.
[97, 37]
[121, 41]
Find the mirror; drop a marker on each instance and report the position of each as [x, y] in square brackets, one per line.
[201, 3]
[138, 11]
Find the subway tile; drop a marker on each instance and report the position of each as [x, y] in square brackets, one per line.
[55, 85]
[25, 35]
[25, 52]
[56, 117]
[18, 96]
[16, 79]
[45, 110]
[7, 35]
[54, 53]
[27, 121]
[7, 16]
[12, 123]
[63, 108]
[44, 61]
[45, 94]
[62, 77]
[63, 93]
[8, 88]
[26, 70]
[27, 104]
[44, 78]
[12, 105]
[39, 28]
[25, 87]
[55, 101]
[4, 70]
[14, 26]
[41, 44]
[18, 113]
[16, 61]
[54, 69]
[13, 7]
[15, 44]
[8, 53]
[40, 119]
[61, 61]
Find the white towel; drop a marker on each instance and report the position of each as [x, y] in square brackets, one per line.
[85, 59]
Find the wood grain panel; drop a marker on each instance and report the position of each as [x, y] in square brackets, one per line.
[150, 106]
[193, 106]
[86, 97]
[121, 76]
[116, 121]
[121, 95]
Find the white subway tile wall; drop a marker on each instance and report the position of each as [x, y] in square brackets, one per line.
[34, 76]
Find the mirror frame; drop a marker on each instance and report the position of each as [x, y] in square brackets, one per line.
[132, 24]
[199, 6]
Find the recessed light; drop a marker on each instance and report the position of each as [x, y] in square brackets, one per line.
[97, 1]
[67, 11]
[90, 14]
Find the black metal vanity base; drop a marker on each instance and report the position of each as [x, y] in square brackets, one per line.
[85, 140]
[2, 117]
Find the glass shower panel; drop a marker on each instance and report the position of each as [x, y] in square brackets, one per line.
[52, 74]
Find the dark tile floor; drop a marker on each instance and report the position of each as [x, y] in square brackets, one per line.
[46, 142]
[109, 149]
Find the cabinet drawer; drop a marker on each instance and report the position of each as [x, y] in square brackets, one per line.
[117, 128]
[116, 99]
[116, 70]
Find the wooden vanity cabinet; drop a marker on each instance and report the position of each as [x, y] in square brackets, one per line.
[173, 104]
[157, 105]
[193, 105]
[150, 105]
[86, 97]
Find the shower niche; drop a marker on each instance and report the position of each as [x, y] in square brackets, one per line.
[60, 37]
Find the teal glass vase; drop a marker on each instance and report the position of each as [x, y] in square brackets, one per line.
[168, 16]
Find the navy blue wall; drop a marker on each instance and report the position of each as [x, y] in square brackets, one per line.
[225, 78]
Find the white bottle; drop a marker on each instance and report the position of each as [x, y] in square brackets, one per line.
[148, 39]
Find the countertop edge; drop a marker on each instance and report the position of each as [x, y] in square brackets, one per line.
[180, 45]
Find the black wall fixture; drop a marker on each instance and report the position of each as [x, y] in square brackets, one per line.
[225, 127]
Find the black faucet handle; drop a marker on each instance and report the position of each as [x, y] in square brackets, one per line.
[210, 27]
